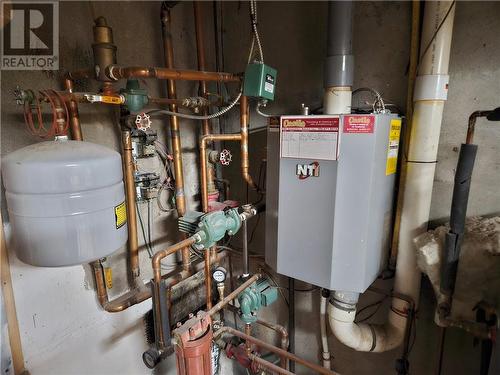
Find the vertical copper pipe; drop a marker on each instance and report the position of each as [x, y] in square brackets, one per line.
[208, 278]
[156, 265]
[245, 165]
[74, 117]
[248, 344]
[180, 198]
[200, 50]
[203, 162]
[128, 175]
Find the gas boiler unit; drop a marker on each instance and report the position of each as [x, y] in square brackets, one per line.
[330, 187]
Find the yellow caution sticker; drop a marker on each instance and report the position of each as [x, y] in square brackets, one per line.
[108, 276]
[392, 149]
[120, 215]
[111, 99]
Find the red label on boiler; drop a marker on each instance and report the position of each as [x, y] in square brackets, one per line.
[359, 124]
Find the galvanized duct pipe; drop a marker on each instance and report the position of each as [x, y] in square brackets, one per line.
[430, 95]
[339, 64]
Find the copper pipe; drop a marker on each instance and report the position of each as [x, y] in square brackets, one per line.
[282, 332]
[74, 116]
[156, 264]
[248, 344]
[203, 162]
[80, 74]
[222, 303]
[316, 368]
[130, 196]
[208, 277]
[180, 198]
[200, 51]
[268, 365]
[116, 72]
[142, 292]
[279, 329]
[472, 124]
[245, 165]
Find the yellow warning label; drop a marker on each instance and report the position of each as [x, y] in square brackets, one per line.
[120, 215]
[111, 99]
[108, 275]
[392, 149]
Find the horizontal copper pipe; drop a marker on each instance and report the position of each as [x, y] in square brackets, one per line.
[261, 344]
[279, 329]
[81, 74]
[115, 73]
[142, 292]
[223, 302]
[268, 365]
[156, 261]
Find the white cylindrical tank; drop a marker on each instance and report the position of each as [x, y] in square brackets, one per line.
[65, 201]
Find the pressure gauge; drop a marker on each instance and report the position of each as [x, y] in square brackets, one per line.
[219, 275]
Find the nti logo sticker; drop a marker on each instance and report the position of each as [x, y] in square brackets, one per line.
[307, 170]
[30, 38]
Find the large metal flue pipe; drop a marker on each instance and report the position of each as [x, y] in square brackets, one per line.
[339, 63]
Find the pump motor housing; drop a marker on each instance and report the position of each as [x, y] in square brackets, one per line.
[330, 189]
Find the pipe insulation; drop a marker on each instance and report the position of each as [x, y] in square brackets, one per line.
[417, 191]
[453, 239]
[339, 63]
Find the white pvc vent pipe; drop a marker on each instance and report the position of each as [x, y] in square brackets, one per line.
[429, 98]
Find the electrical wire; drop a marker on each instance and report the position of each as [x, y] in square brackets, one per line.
[195, 117]
[150, 252]
[256, 37]
[378, 104]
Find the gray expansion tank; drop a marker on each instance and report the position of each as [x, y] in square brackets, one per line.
[65, 201]
[330, 188]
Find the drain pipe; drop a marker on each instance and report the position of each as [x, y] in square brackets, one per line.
[339, 64]
[430, 95]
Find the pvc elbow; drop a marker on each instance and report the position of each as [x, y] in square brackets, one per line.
[359, 337]
[366, 337]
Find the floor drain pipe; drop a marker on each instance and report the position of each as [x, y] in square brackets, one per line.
[430, 95]
[339, 64]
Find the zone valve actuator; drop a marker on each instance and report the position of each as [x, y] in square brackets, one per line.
[330, 189]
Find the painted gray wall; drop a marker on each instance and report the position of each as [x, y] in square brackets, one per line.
[57, 308]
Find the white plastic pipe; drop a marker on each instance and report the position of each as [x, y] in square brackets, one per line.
[337, 100]
[429, 97]
[324, 332]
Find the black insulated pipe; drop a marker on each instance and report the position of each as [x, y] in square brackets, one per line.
[459, 202]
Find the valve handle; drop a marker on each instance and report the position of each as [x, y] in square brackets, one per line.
[143, 121]
[225, 157]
